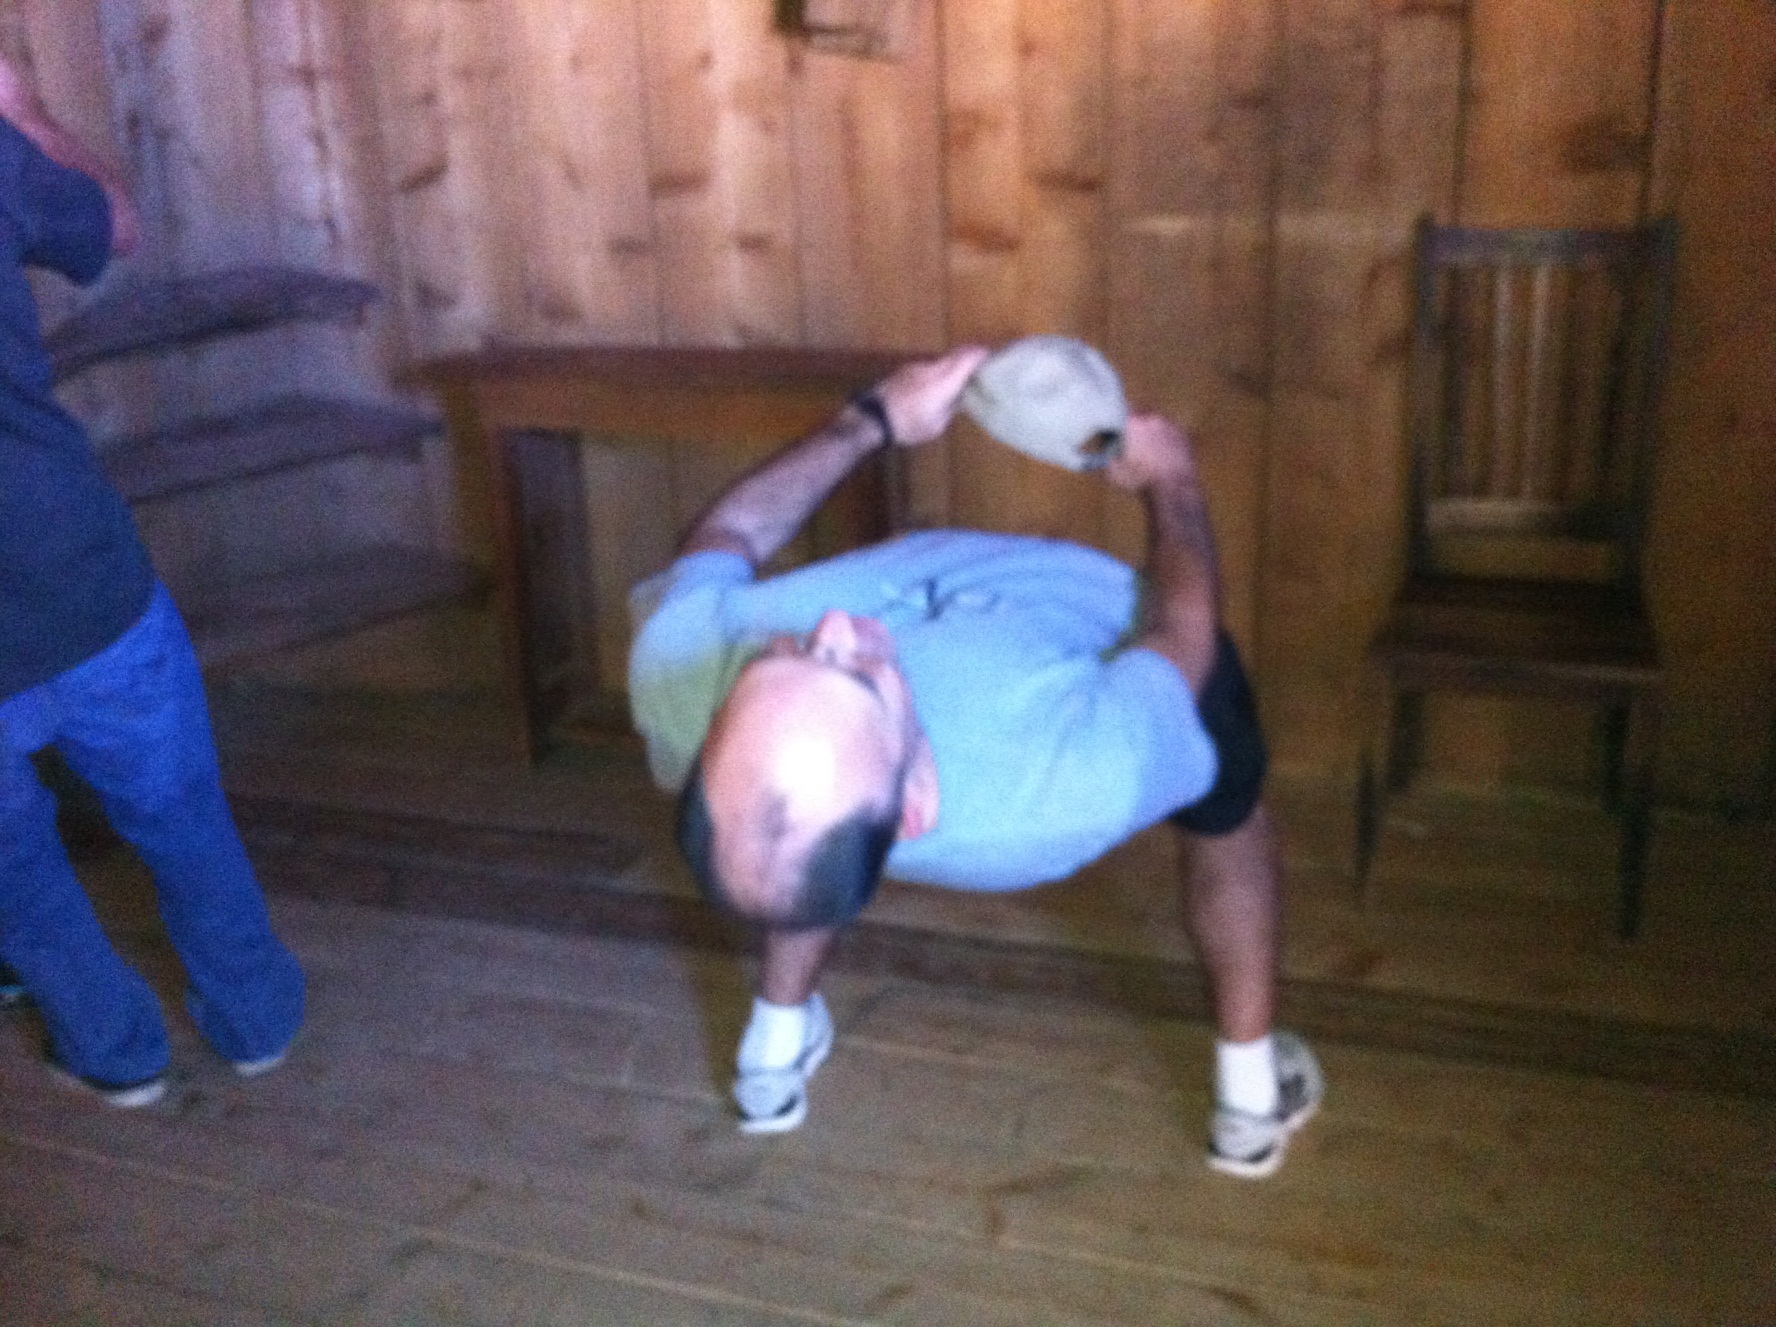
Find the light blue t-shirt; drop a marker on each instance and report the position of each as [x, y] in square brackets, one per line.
[1053, 742]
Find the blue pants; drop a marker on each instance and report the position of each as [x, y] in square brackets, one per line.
[133, 722]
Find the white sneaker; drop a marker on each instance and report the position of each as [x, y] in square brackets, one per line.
[263, 1065]
[124, 1096]
[1251, 1146]
[774, 1098]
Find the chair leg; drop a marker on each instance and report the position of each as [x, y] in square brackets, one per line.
[1632, 868]
[1405, 745]
[1635, 778]
[1371, 791]
[1368, 819]
[1615, 750]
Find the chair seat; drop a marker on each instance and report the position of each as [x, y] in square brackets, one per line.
[1519, 636]
[1562, 641]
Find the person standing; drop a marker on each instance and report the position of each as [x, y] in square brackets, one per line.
[95, 661]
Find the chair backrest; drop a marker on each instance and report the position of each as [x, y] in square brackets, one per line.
[1537, 361]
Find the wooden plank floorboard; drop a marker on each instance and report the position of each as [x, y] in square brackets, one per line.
[592, 1231]
[45, 1291]
[595, 1212]
[450, 1285]
[265, 1247]
[208, 1238]
[490, 1124]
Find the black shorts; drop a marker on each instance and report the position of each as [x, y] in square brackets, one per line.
[1230, 714]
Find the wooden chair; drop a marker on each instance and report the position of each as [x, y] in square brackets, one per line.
[1537, 360]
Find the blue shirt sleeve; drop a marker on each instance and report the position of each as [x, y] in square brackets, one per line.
[685, 657]
[66, 217]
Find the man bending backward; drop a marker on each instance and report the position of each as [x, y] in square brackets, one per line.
[962, 709]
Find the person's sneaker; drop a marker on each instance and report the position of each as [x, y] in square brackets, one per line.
[263, 1065]
[1252, 1146]
[12, 990]
[774, 1099]
[125, 1096]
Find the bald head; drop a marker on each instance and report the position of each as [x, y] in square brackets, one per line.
[801, 785]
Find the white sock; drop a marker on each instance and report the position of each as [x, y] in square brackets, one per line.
[774, 1036]
[1246, 1076]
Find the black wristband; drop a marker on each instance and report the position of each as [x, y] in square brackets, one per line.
[871, 404]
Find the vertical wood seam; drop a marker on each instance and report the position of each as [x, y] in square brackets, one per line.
[1464, 103]
[1262, 560]
[1650, 125]
[642, 31]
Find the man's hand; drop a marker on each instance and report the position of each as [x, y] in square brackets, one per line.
[1155, 455]
[762, 512]
[921, 397]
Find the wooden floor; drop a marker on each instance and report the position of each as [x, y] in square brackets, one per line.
[491, 1122]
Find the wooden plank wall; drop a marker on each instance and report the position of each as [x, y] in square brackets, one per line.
[1220, 192]
[1713, 566]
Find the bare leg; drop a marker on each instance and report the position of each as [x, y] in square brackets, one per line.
[1231, 890]
[792, 963]
[1232, 907]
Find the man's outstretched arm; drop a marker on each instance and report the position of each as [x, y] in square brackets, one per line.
[762, 513]
[1183, 602]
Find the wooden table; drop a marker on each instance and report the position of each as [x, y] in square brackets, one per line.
[598, 459]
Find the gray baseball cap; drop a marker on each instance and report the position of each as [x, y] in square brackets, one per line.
[1051, 397]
